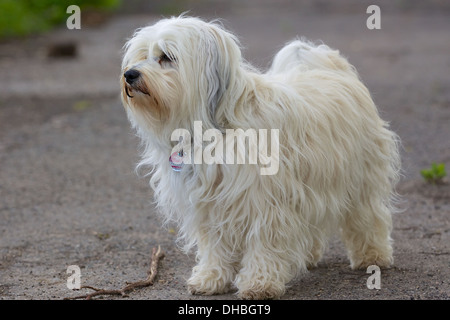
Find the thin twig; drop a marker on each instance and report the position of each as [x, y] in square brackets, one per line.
[435, 253]
[157, 255]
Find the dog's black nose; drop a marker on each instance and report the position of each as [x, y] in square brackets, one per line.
[131, 75]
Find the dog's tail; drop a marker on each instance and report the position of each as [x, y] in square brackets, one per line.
[307, 56]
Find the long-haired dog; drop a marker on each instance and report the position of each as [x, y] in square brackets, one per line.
[337, 162]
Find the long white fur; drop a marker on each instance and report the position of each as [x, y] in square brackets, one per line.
[338, 160]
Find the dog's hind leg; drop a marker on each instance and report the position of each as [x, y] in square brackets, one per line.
[366, 233]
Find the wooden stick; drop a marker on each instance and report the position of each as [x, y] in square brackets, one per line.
[157, 255]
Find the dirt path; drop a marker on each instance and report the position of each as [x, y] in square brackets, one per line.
[69, 194]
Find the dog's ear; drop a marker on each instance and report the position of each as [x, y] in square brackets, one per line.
[217, 78]
[222, 60]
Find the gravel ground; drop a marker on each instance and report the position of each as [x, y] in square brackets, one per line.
[69, 194]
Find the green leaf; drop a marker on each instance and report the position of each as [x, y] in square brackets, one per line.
[427, 174]
[434, 167]
[435, 173]
[440, 170]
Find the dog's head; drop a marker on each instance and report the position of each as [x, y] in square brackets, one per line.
[178, 68]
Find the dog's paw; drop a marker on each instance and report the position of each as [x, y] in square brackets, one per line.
[258, 287]
[208, 282]
[381, 258]
[265, 292]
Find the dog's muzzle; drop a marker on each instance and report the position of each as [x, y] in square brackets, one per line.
[131, 76]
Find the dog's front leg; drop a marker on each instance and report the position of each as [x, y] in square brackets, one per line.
[263, 275]
[214, 271]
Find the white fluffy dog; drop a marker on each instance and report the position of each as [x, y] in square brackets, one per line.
[338, 161]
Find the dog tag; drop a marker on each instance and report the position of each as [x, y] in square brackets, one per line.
[176, 161]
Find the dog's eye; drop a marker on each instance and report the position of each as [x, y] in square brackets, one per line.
[164, 58]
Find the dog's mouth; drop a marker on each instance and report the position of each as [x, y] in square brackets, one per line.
[129, 89]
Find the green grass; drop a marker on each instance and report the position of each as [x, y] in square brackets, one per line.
[24, 17]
